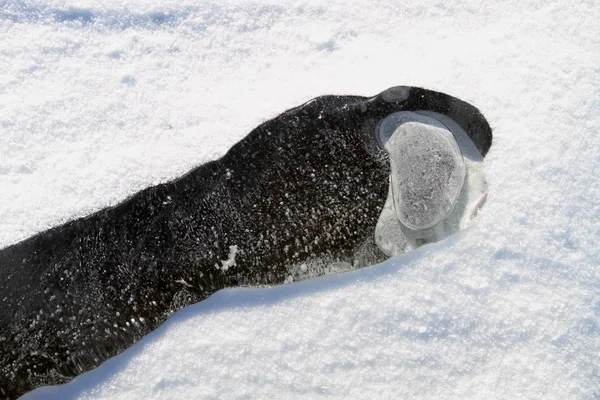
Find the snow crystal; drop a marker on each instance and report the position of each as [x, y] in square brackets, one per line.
[230, 262]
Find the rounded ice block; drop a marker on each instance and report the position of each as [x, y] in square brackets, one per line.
[427, 169]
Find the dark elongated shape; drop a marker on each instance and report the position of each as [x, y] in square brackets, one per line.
[304, 188]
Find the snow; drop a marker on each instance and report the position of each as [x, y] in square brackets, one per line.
[99, 99]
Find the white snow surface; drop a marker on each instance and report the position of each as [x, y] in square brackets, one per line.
[101, 98]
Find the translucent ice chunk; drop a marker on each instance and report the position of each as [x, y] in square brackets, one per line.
[427, 172]
[415, 175]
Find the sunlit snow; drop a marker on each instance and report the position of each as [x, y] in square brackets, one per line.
[99, 99]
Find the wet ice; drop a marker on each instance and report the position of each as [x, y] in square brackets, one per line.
[427, 173]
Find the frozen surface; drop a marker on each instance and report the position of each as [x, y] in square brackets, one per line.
[427, 171]
[437, 183]
[99, 99]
